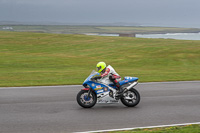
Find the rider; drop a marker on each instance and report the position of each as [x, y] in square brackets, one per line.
[109, 73]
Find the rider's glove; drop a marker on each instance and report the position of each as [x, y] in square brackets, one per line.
[97, 77]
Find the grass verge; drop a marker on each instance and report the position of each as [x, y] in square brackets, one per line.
[174, 129]
[29, 59]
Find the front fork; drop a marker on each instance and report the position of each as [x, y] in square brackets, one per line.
[89, 91]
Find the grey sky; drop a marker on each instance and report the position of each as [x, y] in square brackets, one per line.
[181, 13]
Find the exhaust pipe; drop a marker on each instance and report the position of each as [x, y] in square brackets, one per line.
[132, 85]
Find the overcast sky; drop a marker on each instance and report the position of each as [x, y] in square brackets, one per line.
[179, 13]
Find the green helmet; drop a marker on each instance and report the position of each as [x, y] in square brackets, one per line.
[101, 66]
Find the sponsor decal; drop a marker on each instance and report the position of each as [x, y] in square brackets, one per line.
[105, 89]
[126, 80]
[93, 85]
[98, 88]
[99, 91]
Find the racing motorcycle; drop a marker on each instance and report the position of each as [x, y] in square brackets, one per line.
[98, 91]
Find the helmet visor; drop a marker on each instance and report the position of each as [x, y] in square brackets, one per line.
[98, 68]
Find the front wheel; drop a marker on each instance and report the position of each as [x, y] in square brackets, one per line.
[85, 101]
[131, 98]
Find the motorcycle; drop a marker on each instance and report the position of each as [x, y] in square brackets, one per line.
[97, 91]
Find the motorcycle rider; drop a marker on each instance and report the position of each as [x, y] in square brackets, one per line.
[109, 73]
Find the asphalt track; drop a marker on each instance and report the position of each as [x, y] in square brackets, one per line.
[53, 109]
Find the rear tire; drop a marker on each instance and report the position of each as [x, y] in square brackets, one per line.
[131, 98]
[84, 101]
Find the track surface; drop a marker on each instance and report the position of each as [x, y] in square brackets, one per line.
[54, 109]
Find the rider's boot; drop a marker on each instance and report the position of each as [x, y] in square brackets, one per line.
[120, 90]
[119, 93]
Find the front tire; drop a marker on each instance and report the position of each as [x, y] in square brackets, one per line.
[85, 101]
[131, 98]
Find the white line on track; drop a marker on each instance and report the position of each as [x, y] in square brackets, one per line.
[31, 87]
[123, 129]
[171, 82]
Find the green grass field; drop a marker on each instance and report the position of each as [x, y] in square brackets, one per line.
[31, 59]
[175, 129]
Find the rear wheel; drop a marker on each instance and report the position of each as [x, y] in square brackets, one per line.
[131, 98]
[85, 101]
